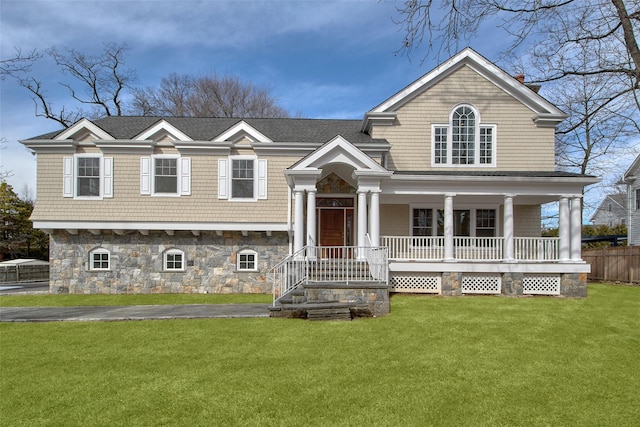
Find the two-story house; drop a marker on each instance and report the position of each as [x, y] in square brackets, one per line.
[612, 211]
[446, 178]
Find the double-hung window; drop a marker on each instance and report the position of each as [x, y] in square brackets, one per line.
[165, 175]
[165, 179]
[638, 199]
[88, 176]
[464, 140]
[242, 178]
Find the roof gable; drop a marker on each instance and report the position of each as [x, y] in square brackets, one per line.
[239, 131]
[633, 171]
[162, 130]
[83, 130]
[338, 150]
[546, 114]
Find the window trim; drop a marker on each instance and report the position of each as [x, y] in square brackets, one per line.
[156, 157]
[479, 125]
[148, 175]
[225, 178]
[71, 176]
[99, 251]
[173, 251]
[247, 252]
[254, 179]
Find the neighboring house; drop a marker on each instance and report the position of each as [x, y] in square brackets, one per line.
[632, 179]
[612, 212]
[447, 176]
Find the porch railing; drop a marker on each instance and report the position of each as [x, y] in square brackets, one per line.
[478, 248]
[529, 249]
[342, 264]
[418, 248]
[537, 248]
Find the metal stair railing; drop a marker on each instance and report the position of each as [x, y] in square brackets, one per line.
[326, 264]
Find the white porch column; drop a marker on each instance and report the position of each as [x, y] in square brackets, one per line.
[311, 218]
[374, 226]
[448, 227]
[576, 230]
[564, 229]
[362, 217]
[298, 232]
[508, 228]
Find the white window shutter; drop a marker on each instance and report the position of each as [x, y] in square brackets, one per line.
[145, 175]
[262, 178]
[223, 179]
[107, 178]
[185, 176]
[67, 175]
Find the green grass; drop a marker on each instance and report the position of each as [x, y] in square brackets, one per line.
[434, 361]
[44, 300]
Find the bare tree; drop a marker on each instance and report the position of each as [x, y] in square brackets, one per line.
[19, 63]
[97, 82]
[208, 96]
[607, 29]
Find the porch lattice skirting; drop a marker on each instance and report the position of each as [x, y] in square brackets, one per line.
[455, 283]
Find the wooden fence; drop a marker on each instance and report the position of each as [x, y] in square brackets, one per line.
[24, 273]
[621, 263]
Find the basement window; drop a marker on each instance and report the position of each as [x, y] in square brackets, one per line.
[247, 260]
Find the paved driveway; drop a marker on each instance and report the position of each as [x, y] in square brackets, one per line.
[134, 312]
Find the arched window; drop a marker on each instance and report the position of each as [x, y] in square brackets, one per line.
[99, 259]
[247, 260]
[463, 136]
[464, 140]
[173, 260]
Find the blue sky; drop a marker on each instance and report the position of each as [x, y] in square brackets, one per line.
[321, 59]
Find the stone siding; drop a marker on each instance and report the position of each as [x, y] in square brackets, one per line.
[137, 263]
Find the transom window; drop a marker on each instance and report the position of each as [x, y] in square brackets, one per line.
[464, 141]
[88, 183]
[174, 260]
[247, 260]
[242, 178]
[166, 175]
[99, 259]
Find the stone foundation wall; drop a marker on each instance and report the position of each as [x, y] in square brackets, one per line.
[137, 262]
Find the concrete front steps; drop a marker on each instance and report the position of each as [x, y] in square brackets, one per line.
[296, 306]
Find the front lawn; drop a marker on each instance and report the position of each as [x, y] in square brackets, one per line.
[434, 361]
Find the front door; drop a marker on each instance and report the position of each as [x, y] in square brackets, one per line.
[332, 230]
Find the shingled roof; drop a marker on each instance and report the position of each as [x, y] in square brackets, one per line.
[207, 128]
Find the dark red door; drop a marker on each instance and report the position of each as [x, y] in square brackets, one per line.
[332, 227]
